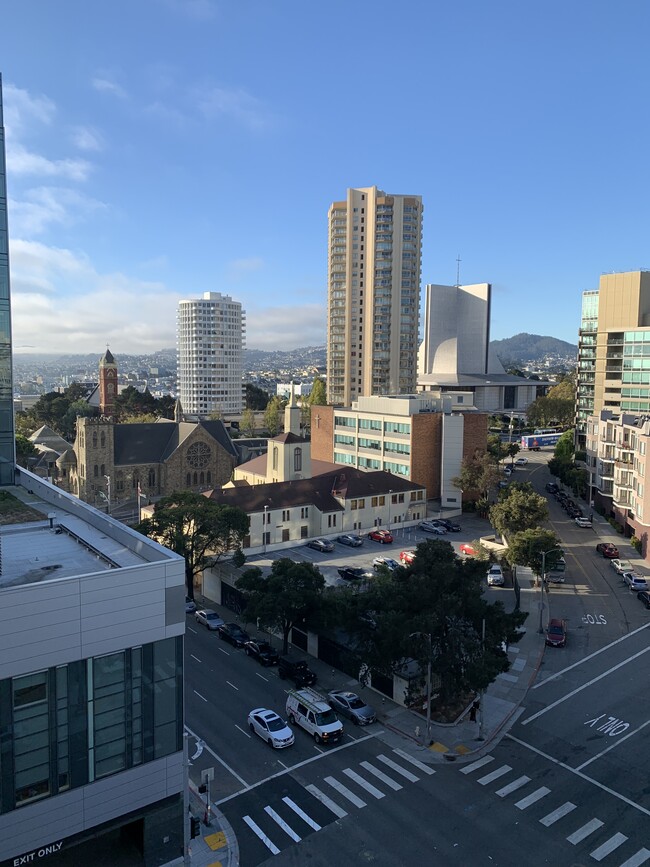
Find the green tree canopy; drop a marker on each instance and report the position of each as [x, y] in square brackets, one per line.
[478, 474]
[291, 593]
[255, 398]
[526, 548]
[438, 595]
[565, 389]
[519, 508]
[25, 449]
[272, 416]
[197, 528]
[247, 424]
[318, 394]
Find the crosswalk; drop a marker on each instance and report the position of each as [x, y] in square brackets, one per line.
[577, 834]
[304, 810]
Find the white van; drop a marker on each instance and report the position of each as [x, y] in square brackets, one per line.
[311, 712]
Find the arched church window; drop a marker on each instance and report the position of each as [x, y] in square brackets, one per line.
[102, 439]
[196, 480]
[202, 479]
[95, 471]
[209, 477]
[275, 457]
[297, 460]
[152, 478]
[94, 439]
[188, 480]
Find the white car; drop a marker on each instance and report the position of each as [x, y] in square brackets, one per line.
[521, 462]
[388, 562]
[621, 566]
[507, 471]
[271, 728]
[208, 617]
[583, 522]
[495, 576]
[635, 582]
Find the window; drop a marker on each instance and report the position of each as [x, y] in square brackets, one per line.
[297, 460]
[331, 520]
[96, 471]
[188, 480]
[103, 470]
[286, 514]
[275, 457]
[304, 512]
[362, 504]
[208, 477]
[195, 479]
[94, 439]
[353, 504]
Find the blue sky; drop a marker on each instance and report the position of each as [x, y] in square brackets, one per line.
[158, 149]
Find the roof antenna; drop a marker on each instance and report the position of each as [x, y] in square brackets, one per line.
[458, 260]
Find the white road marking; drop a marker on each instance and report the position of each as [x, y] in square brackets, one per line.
[553, 817]
[283, 764]
[419, 765]
[591, 656]
[535, 796]
[262, 676]
[327, 802]
[386, 780]
[195, 657]
[233, 685]
[248, 788]
[220, 760]
[638, 858]
[296, 809]
[579, 835]
[476, 765]
[585, 685]
[608, 846]
[224, 651]
[512, 787]
[372, 790]
[199, 695]
[256, 828]
[343, 790]
[581, 775]
[189, 629]
[490, 778]
[611, 747]
[286, 828]
[391, 764]
[242, 730]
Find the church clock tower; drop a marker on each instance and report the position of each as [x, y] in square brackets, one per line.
[107, 383]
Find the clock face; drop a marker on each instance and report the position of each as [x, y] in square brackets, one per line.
[198, 455]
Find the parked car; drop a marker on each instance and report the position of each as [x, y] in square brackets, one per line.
[262, 652]
[382, 536]
[551, 487]
[190, 605]
[521, 462]
[556, 633]
[621, 566]
[635, 582]
[608, 550]
[310, 711]
[322, 545]
[503, 484]
[431, 527]
[495, 576]
[450, 526]
[296, 670]
[350, 539]
[271, 728]
[350, 705]
[208, 617]
[507, 471]
[467, 549]
[233, 634]
[354, 573]
[644, 597]
[406, 557]
[387, 562]
[583, 522]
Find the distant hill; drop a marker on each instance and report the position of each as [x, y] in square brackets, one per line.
[278, 359]
[528, 348]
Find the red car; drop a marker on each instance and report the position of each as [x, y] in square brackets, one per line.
[464, 548]
[382, 536]
[609, 551]
[556, 633]
[406, 557]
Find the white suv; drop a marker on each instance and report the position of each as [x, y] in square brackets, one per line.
[495, 576]
[311, 712]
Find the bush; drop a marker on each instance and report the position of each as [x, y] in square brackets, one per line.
[618, 527]
[637, 544]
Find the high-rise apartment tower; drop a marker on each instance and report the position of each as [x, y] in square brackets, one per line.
[375, 242]
[210, 355]
[7, 438]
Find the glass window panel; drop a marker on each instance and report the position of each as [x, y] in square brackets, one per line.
[109, 766]
[30, 689]
[109, 734]
[165, 740]
[164, 659]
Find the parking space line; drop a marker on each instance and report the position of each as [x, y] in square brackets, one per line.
[242, 731]
[199, 695]
[558, 814]
[537, 795]
[195, 657]
[613, 746]
[608, 846]
[327, 802]
[579, 835]
[270, 845]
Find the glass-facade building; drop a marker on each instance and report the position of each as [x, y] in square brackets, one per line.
[7, 438]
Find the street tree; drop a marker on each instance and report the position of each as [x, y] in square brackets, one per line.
[527, 547]
[290, 594]
[437, 596]
[519, 508]
[272, 416]
[25, 449]
[255, 398]
[478, 474]
[247, 424]
[512, 451]
[198, 528]
[318, 394]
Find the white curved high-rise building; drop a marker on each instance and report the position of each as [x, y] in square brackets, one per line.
[210, 345]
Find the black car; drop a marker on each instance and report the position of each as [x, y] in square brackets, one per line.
[296, 670]
[451, 526]
[233, 633]
[551, 487]
[262, 652]
[644, 597]
[352, 573]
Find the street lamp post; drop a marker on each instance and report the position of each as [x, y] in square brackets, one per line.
[108, 494]
[541, 591]
[427, 635]
[390, 497]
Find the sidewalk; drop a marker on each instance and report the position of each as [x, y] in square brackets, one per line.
[404, 729]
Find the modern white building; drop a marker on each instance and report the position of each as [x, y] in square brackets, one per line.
[455, 358]
[210, 344]
[375, 242]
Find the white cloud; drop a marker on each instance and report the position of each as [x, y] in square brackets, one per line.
[39, 208]
[239, 268]
[105, 85]
[289, 327]
[20, 108]
[20, 161]
[87, 139]
[237, 103]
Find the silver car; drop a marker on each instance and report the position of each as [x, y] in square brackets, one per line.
[350, 539]
[350, 705]
[208, 617]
